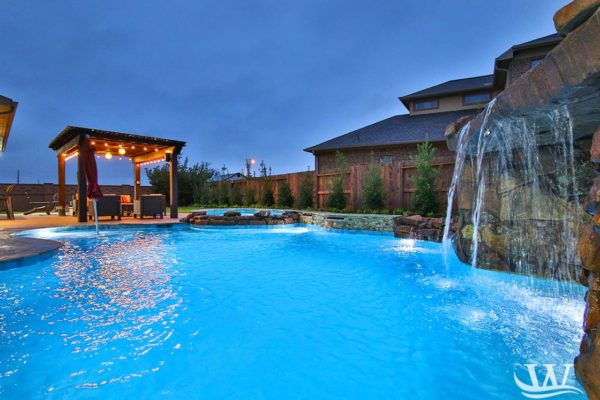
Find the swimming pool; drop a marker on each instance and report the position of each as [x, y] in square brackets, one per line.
[243, 211]
[275, 313]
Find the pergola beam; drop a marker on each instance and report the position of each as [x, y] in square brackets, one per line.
[139, 149]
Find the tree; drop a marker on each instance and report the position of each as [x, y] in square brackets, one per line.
[236, 195]
[267, 199]
[425, 200]
[249, 195]
[192, 180]
[373, 186]
[337, 197]
[305, 192]
[286, 198]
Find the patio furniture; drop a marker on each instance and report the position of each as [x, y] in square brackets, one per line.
[6, 202]
[126, 205]
[43, 206]
[108, 205]
[151, 204]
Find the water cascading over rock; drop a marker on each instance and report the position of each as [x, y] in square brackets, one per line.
[527, 169]
[516, 187]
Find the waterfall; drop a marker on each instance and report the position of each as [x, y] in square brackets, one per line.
[515, 187]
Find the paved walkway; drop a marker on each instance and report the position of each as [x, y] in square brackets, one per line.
[16, 248]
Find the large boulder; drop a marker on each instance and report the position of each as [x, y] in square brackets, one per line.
[588, 246]
[568, 18]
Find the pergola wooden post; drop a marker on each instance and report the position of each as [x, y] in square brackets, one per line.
[62, 193]
[174, 192]
[137, 183]
[140, 150]
[81, 184]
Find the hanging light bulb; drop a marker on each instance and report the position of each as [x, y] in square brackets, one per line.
[121, 151]
[108, 155]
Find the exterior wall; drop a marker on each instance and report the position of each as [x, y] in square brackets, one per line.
[325, 162]
[449, 103]
[521, 62]
[25, 193]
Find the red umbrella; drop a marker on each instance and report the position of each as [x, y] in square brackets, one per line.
[91, 170]
[87, 151]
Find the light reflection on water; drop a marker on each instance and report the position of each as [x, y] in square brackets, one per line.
[259, 313]
[109, 294]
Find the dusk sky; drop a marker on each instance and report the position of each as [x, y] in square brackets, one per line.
[261, 79]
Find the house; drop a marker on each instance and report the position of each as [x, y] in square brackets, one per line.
[8, 107]
[393, 141]
[237, 176]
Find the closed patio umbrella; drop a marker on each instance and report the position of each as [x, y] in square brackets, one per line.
[87, 151]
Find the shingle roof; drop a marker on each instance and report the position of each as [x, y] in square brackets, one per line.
[454, 86]
[548, 40]
[399, 129]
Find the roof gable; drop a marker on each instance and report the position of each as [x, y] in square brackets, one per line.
[396, 130]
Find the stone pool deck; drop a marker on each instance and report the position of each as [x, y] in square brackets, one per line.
[16, 248]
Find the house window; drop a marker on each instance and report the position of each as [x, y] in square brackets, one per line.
[425, 105]
[386, 160]
[476, 98]
[534, 63]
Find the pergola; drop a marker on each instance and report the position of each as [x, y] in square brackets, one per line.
[7, 114]
[140, 150]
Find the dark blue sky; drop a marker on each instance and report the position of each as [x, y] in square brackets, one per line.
[260, 79]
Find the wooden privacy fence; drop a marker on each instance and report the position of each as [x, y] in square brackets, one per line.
[398, 187]
[397, 183]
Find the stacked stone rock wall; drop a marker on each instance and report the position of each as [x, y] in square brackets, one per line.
[587, 363]
[418, 227]
[365, 222]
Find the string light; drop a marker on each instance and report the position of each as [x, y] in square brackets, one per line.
[67, 158]
[151, 162]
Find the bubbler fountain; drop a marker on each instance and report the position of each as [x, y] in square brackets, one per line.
[525, 196]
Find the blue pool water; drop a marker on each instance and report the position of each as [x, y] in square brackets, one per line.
[274, 313]
[243, 211]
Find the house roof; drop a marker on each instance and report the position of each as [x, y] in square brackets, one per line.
[396, 130]
[236, 176]
[8, 107]
[503, 60]
[454, 86]
[549, 40]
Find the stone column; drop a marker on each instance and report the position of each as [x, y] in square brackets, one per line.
[587, 363]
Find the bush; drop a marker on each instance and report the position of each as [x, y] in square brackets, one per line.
[305, 193]
[249, 196]
[286, 198]
[337, 197]
[373, 186]
[192, 181]
[268, 199]
[235, 195]
[425, 199]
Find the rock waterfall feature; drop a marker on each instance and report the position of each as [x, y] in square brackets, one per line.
[525, 196]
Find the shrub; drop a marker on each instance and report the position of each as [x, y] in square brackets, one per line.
[305, 193]
[337, 197]
[249, 196]
[192, 181]
[267, 198]
[286, 198]
[425, 200]
[373, 186]
[235, 195]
